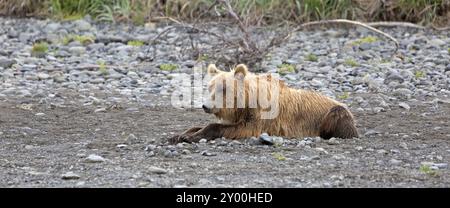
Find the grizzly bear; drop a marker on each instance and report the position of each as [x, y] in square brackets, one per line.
[295, 113]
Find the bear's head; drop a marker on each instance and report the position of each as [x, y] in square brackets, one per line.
[237, 95]
[225, 90]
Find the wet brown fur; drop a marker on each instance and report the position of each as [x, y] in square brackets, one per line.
[302, 113]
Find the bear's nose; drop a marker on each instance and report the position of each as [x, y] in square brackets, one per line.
[206, 109]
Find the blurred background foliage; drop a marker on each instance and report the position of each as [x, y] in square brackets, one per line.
[259, 12]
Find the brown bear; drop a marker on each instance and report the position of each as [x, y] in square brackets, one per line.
[248, 105]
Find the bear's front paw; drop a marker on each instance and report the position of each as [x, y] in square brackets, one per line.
[175, 139]
[188, 138]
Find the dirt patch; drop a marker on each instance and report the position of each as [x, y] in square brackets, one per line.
[40, 143]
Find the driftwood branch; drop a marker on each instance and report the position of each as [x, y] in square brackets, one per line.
[350, 22]
[395, 24]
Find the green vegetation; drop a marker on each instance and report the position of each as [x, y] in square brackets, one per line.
[168, 67]
[286, 69]
[312, 57]
[278, 156]
[427, 170]
[138, 18]
[368, 39]
[344, 96]
[102, 68]
[39, 49]
[136, 43]
[203, 57]
[419, 74]
[269, 11]
[351, 62]
[83, 39]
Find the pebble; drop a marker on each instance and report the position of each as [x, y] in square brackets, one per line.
[395, 161]
[6, 63]
[171, 153]
[333, 141]
[270, 140]
[43, 76]
[150, 147]
[404, 106]
[133, 139]
[207, 153]
[371, 132]
[235, 143]
[100, 110]
[95, 159]
[70, 176]
[403, 145]
[157, 170]
[77, 50]
[321, 150]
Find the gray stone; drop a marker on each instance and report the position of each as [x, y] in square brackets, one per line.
[270, 140]
[82, 25]
[437, 42]
[254, 141]
[157, 170]
[171, 153]
[121, 146]
[394, 77]
[150, 147]
[207, 153]
[62, 53]
[395, 161]
[95, 159]
[52, 27]
[100, 110]
[6, 63]
[77, 50]
[333, 141]
[42, 75]
[235, 143]
[403, 93]
[133, 139]
[365, 46]
[403, 145]
[25, 37]
[441, 165]
[404, 105]
[371, 132]
[70, 176]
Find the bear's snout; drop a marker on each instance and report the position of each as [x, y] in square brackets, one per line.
[206, 109]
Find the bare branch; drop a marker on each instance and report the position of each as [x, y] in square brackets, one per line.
[247, 42]
[350, 22]
[395, 24]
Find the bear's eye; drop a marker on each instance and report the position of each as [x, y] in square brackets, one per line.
[210, 88]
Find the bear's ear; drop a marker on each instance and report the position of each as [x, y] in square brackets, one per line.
[240, 71]
[213, 70]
